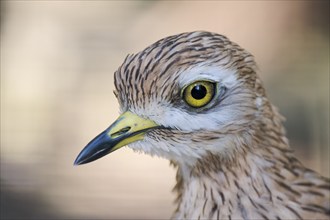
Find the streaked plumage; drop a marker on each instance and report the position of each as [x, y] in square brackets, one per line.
[232, 156]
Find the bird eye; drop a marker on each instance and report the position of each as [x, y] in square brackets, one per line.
[199, 94]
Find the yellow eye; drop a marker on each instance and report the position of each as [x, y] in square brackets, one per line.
[199, 94]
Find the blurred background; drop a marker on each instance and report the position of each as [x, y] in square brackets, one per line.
[57, 64]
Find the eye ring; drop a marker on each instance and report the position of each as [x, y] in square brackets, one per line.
[198, 94]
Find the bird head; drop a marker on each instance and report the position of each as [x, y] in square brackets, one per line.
[183, 97]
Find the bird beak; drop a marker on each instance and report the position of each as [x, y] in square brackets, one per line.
[126, 129]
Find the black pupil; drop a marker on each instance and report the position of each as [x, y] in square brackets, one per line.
[198, 92]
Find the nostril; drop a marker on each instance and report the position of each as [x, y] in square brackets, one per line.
[121, 132]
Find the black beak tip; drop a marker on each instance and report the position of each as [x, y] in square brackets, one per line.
[80, 160]
[77, 162]
[100, 146]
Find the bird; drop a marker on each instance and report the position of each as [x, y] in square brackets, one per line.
[197, 99]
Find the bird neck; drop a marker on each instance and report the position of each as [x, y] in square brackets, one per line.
[247, 171]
